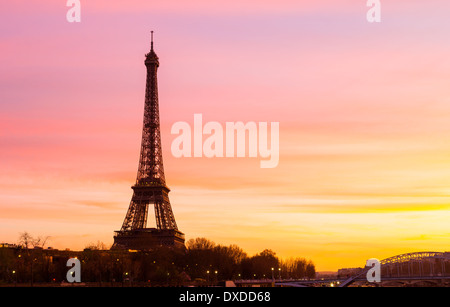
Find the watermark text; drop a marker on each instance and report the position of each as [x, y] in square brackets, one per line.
[235, 140]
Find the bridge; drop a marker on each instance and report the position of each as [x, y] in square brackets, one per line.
[411, 269]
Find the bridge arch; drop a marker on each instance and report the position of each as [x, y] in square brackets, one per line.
[418, 264]
[415, 256]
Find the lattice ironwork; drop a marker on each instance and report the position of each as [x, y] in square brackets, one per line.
[150, 187]
[414, 256]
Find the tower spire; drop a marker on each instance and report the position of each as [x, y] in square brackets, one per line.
[152, 40]
[151, 57]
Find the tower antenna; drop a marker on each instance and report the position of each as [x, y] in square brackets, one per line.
[152, 40]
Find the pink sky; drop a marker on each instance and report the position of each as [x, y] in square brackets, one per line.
[363, 108]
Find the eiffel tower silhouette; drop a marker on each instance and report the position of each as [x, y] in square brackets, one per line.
[150, 187]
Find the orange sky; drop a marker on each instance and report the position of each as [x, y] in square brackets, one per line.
[363, 112]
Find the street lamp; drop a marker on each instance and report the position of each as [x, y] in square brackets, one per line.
[14, 277]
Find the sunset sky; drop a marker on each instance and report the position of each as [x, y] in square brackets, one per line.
[363, 109]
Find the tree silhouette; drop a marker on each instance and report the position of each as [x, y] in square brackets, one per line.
[203, 262]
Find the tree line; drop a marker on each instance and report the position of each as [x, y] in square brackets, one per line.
[203, 262]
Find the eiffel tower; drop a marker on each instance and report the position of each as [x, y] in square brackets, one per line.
[150, 187]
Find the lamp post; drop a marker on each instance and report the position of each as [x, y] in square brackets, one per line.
[15, 278]
[273, 279]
